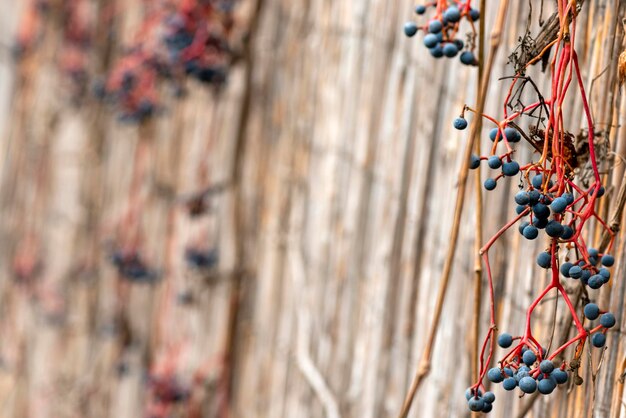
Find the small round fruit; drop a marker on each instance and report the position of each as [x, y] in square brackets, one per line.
[410, 29]
[529, 357]
[495, 375]
[546, 366]
[459, 123]
[474, 162]
[546, 386]
[476, 404]
[509, 383]
[591, 311]
[607, 260]
[528, 384]
[490, 184]
[420, 10]
[607, 320]
[435, 26]
[560, 376]
[505, 340]
[468, 58]
[430, 40]
[598, 340]
[530, 232]
[558, 205]
[510, 169]
[489, 397]
[544, 260]
[495, 162]
[450, 50]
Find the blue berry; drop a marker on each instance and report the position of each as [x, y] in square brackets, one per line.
[568, 232]
[430, 40]
[607, 320]
[554, 229]
[534, 197]
[585, 276]
[505, 340]
[494, 162]
[495, 375]
[575, 272]
[558, 205]
[490, 184]
[604, 273]
[521, 226]
[508, 371]
[593, 252]
[468, 58]
[510, 169]
[459, 123]
[528, 384]
[565, 268]
[607, 260]
[546, 386]
[420, 10]
[469, 395]
[410, 29]
[595, 282]
[509, 383]
[474, 14]
[459, 44]
[489, 397]
[519, 209]
[493, 134]
[569, 198]
[591, 311]
[435, 26]
[520, 375]
[522, 197]
[476, 404]
[560, 376]
[544, 260]
[529, 357]
[452, 14]
[512, 135]
[541, 211]
[487, 408]
[598, 340]
[450, 50]
[530, 232]
[537, 181]
[546, 366]
[600, 191]
[436, 51]
[540, 223]
[474, 162]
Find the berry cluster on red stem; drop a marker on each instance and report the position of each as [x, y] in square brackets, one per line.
[553, 200]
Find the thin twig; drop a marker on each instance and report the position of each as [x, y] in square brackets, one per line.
[478, 239]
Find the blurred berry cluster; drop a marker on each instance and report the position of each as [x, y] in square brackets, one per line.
[176, 39]
[441, 30]
[183, 38]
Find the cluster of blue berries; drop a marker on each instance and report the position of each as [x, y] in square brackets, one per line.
[530, 371]
[441, 31]
[508, 167]
[589, 273]
[607, 320]
[479, 402]
[545, 209]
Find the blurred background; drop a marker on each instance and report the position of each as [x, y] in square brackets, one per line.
[242, 209]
